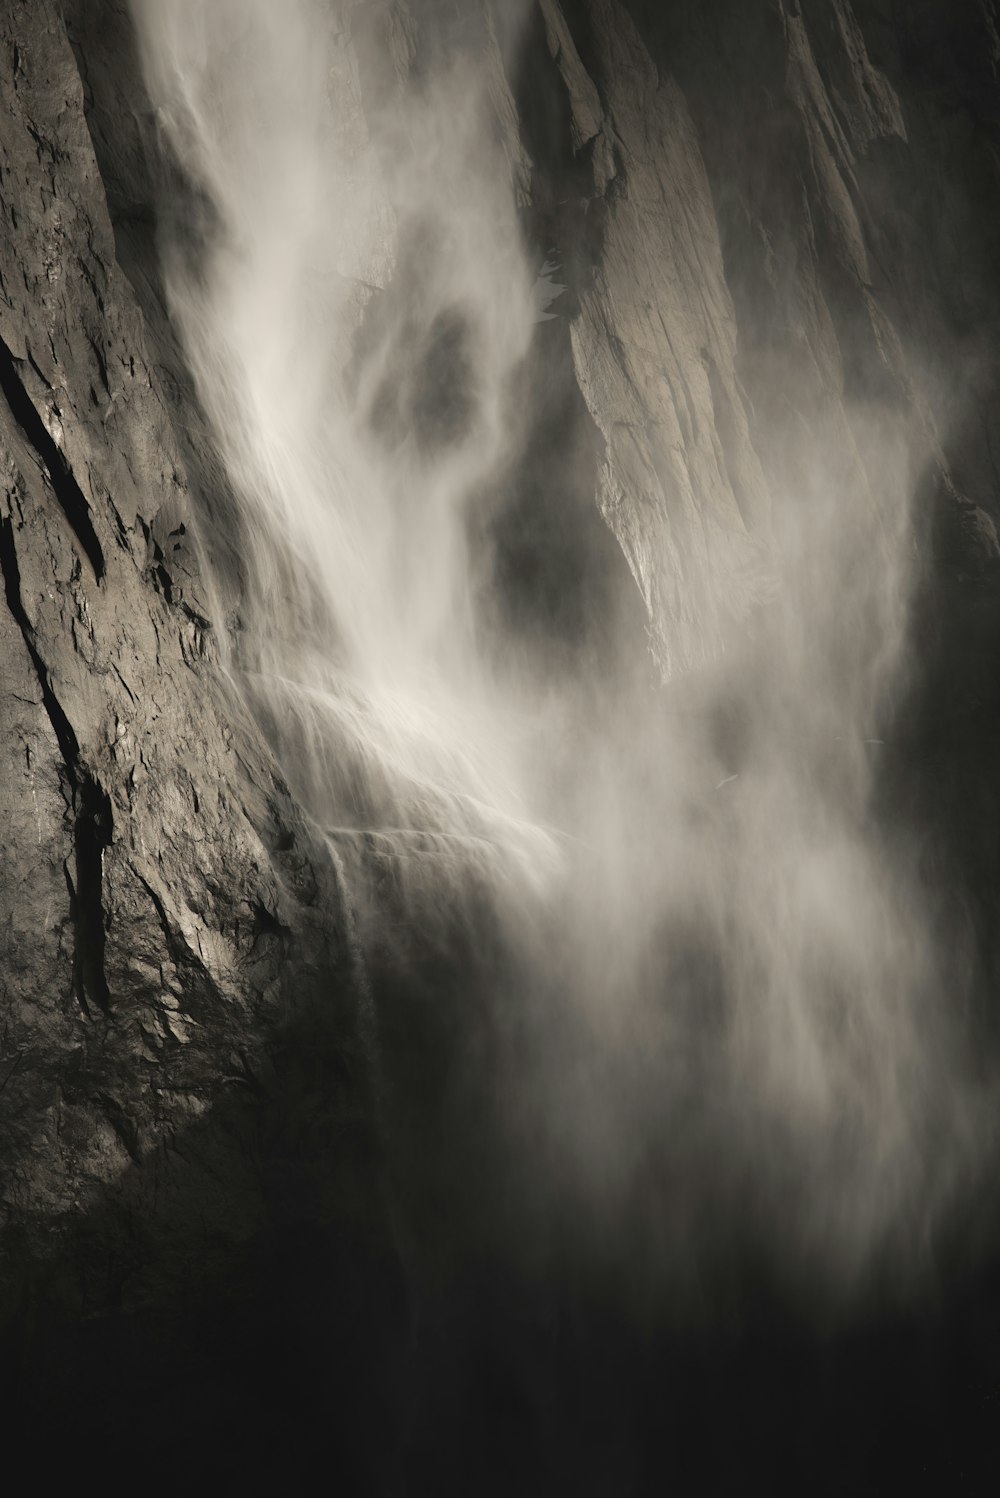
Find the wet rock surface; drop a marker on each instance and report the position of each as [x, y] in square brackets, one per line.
[768, 218]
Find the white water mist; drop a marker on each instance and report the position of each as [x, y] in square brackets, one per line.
[751, 985]
[358, 632]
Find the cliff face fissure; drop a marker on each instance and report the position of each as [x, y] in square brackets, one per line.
[68, 492]
[91, 836]
[90, 808]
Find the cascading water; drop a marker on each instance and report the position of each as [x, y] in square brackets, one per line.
[727, 967]
[354, 420]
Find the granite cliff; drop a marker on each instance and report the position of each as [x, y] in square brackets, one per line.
[256, 1208]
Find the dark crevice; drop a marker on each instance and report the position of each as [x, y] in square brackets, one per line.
[156, 570]
[68, 492]
[61, 726]
[266, 923]
[78, 989]
[93, 821]
[92, 835]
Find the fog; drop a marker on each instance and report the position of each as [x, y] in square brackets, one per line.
[740, 1006]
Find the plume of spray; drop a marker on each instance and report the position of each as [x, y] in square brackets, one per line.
[734, 987]
[780, 1033]
[352, 464]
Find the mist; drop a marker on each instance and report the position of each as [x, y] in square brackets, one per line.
[737, 1002]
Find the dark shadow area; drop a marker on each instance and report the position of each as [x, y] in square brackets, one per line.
[229, 1315]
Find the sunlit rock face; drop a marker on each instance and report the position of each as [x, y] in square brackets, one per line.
[498, 634]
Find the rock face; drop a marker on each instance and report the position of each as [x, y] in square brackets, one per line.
[759, 274]
[168, 917]
[778, 226]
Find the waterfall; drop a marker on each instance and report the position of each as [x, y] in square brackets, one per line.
[730, 969]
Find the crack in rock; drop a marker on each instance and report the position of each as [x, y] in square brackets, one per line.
[91, 806]
[71, 497]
